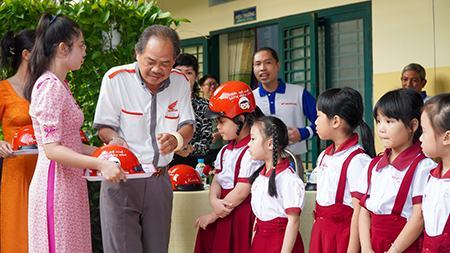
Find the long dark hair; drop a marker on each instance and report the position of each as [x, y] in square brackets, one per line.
[347, 104]
[401, 104]
[12, 46]
[50, 32]
[272, 127]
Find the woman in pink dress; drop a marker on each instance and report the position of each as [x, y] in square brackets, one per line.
[58, 201]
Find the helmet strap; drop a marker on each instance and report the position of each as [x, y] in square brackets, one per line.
[239, 123]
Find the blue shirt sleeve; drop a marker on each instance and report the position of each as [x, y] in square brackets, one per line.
[310, 111]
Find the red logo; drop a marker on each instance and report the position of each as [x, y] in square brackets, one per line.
[171, 107]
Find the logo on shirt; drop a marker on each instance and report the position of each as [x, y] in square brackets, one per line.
[172, 111]
[289, 103]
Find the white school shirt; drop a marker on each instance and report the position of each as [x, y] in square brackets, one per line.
[225, 173]
[436, 202]
[127, 105]
[329, 167]
[387, 177]
[290, 193]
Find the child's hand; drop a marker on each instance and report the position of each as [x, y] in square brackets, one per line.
[204, 220]
[221, 208]
[367, 250]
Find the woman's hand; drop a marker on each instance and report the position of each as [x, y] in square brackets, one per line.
[111, 171]
[204, 220]
[5, 149]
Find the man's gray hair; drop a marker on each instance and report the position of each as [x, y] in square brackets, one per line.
[162, 32]
[417, 68]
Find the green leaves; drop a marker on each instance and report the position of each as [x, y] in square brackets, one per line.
[97, 19]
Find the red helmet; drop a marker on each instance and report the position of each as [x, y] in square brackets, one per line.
[84, 138]
[24, 138]
[185, 178]
[231, 99]
[127, 160]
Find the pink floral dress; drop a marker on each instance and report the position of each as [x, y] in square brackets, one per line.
[58, 200]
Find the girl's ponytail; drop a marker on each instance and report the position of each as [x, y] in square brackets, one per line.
[12, 47]
[51, 30]
[367, 138]
[272, 185]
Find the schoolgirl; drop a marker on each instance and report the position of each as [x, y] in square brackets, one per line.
[228, 228]
[391, 220]
[435, 139]
[339, 113]
[277, 191]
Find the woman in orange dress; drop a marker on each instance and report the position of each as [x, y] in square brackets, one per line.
[17, 170]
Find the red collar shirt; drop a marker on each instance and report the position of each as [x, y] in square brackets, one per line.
[436, 201]
[290, 194]
[387, 177]
[225, 169]
[329, 169]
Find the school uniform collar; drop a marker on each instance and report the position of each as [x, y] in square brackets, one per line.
[280, 89]
[233, 144]
[161, 87]
[403, 160]
[281, 166]
[437, 172]
[350, 142]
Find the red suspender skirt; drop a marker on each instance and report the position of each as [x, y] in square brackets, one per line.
[385, 228]
[331, 228]
[232, 234]
[269, 237]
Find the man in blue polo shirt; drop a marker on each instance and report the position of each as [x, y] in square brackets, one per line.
[291, 103]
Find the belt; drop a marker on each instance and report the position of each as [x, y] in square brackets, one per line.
[160, 171]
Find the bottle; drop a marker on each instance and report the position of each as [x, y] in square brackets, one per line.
[199, 168]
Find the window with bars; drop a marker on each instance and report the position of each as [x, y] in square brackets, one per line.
[197, 51]
[318, 50]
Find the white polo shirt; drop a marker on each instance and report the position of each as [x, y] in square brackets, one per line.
[127, 105]
[386, 180]
[329, 167]
[291, 105]
[290, 193]
[225, 170]
[436, 202]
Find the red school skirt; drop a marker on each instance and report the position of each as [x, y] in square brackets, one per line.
[439, 243]
[232, 234]
[384, 229]
[269, 236]
[331, 229]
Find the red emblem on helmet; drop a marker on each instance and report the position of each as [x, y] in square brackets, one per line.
[24, 139]
[231, 99]
[185, 178]
[123, 156]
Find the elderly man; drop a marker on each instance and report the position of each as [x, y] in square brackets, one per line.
[145, 106]
[414, 77]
